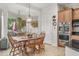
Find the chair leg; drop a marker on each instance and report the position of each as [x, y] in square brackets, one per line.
[43, 47]
[20, 50]
[14, 52]
[38, 50]
[10, 51]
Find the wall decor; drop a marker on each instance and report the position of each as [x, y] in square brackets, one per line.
[20, 23]
[54, 21]
[34, 23]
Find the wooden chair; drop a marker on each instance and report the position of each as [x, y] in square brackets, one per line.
[42, 37]
[31, 45]
[34, 35]
[15, 46]
[39, 42]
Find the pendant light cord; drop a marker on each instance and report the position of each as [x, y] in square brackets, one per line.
[29, 9]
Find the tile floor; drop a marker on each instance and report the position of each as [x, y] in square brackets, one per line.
[49, 51]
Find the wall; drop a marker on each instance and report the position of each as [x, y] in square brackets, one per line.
[51, 33]
[4, 19]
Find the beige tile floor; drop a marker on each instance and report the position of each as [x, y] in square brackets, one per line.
[49, 51]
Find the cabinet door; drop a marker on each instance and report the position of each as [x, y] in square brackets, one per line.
[75, 14]
[61, 16]
[68, 15]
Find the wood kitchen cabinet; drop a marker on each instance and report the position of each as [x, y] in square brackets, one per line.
[65, 19]
[61, 16]
[65, 15]
[76, 14]
[68, 16]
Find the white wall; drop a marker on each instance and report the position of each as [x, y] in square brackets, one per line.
[51, 33]
[4, 19]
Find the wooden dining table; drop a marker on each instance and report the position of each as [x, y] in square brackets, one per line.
[23, 39]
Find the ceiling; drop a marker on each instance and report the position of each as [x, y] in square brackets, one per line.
[70, 5]
[36, 5]
[24, 7]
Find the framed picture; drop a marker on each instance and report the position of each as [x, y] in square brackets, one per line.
[34, 23]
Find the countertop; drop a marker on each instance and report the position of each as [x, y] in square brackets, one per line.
[73, 48]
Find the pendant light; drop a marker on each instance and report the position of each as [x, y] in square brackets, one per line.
[29, 16]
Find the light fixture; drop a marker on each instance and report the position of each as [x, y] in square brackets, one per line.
[29, 16]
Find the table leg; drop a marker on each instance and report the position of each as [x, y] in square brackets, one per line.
[25, 48]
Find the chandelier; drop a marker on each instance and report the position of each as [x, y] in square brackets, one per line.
[29, 19]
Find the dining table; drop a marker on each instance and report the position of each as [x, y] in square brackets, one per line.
[23, 39]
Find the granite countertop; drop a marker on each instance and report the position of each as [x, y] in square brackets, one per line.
[73, 48]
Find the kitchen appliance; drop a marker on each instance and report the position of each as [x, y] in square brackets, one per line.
[64, 31]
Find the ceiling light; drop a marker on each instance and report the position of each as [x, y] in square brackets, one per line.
[29, 19]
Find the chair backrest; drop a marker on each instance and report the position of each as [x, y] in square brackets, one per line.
[31, 43]
[12, 42]
[40, 39]
[34, 35]
[42, 36]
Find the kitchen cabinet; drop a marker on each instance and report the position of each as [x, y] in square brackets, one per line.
[68, 16]
[65, 18]
[76, 14]
[65, 15]
[61, 16]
